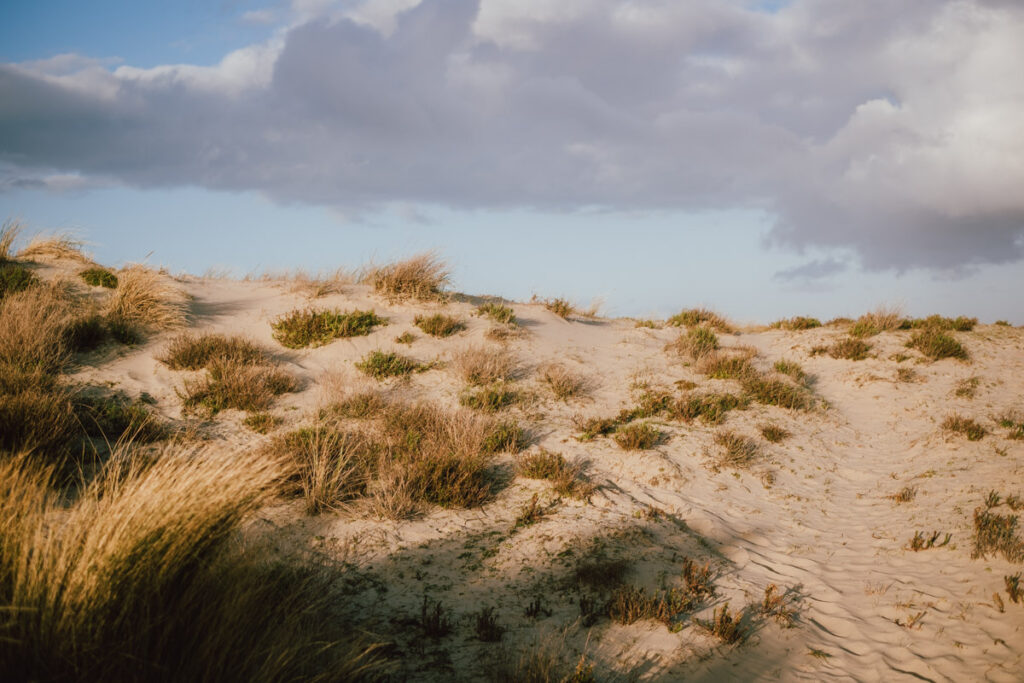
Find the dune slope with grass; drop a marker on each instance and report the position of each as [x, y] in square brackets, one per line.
[535, 496]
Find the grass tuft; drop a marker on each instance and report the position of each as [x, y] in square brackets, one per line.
[439, 325]
[146, 298]
[696, 343]
[563, 382]
[498, 313]
[384, 364]
[489, 398]
[505, 437]
[190, 351]
[480, 365]
[311, 327]
[567, 479]
[964, 425]
[737, 451]
[15, 278]
[797, 323]
[849, 348]
[230, 384]
[560, 307]
[638, 437]
[422, 277]
[99, 277]
[774, 433]
[936, 344]
[693, 317]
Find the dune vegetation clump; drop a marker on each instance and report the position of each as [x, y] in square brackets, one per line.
[147, 299]
[422, 277]
[54, 248]
[696, 343]
[796, 323]
[196, 351]
[481, 365]
[692, 317]
[849, 348]
[99, 277]
[498, 313]
[384, 364]
[439, 325]
[936, 344]
[312, 327]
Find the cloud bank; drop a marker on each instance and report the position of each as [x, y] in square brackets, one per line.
[889, 129]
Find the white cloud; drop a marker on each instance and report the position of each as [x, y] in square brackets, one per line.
[888, 128]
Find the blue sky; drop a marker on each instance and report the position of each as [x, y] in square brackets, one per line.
[654, 155]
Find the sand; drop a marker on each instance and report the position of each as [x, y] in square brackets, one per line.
[812, 515]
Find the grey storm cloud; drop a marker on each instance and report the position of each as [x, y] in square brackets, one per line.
[890, 129]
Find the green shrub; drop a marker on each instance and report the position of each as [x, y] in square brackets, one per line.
[310, 327]
[384, 364]
[776, 392]
[849, 349]
[99, 277]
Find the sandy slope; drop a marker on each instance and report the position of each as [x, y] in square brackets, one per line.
[813, 516]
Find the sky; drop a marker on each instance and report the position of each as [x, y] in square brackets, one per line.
[763, 158]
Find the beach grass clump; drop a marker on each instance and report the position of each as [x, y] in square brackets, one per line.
[384, 364]
[796, 323]
[54, 247]
[964, 425]
[86, 332]
[422, 277]
[774, 391]
[15, 278]
[591, 428]
[146, 578]
[333, 466]
[696, 343]
[693, 317]
[736, 451]
[883, 319]
[725, 366]
[231, 384]
[792, 369]
[498, 313]
[563, 308]
[967, 387]
[638, 437]
[489, 398]
[439, 325]
[9, 232]
[563, 382]
[710, 407]
[99, 277]
[357, 404]
[849, 348]
[567, 478]
[189, 351]
[146, 298]
[1013, 421]
[481, 365]
[262, 423]
[312, 327]
[773, 433]
[505, 436]
[115, 416]
[725, 625]
[936, 344]
[996, 534]
[938, 322]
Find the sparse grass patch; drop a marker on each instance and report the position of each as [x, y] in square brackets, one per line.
[499, 313]
[480, 365]
[85, 333]
[904, 495]
[737, 451]
[936, 344]
[906, 375]
[439, 325]
[1003, 323]
[964, 425]
[422, 277]
[9, 231]
[434, 620]
[938, 322]
[1013, 588]
[560, 307]
[231, 384]
[594, 427]
[638, 437]
[725, 366]
[650, 324]
[923, 541]
[696, 343]
[115, 416]
[486, 626]
[262, 423]
[849, 349]
[37, 418]
[406, 338]
[567, 479]
[190, 351]
[147, 298]
[489, 398]
[778, 606]
[54, 247]
[311, 327]
[724, 625]
[996, 534]
[774, 433]
[967, 387]
[792, 369]
[692, 317]
[563, 382]
[333, 466]
[709, 407]
[1014, 422]
[797, 323]
[99, 277]
[384, 364]
[357, 405]
[878, 321]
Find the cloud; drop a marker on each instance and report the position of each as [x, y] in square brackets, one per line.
[888, 129]
[812, 270]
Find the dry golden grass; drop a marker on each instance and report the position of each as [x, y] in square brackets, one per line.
[9, 231]
[882, 319]
[563, 382]
[696, 343]
[480, 365]
[334, 466]
[54, 248]
[146, 298]
[230, 383]
[737, 451]
[423, 277]
[692, 317]
[32, 331]
[143, 579]
[439, 325]
[190, 351]
[567, 478]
